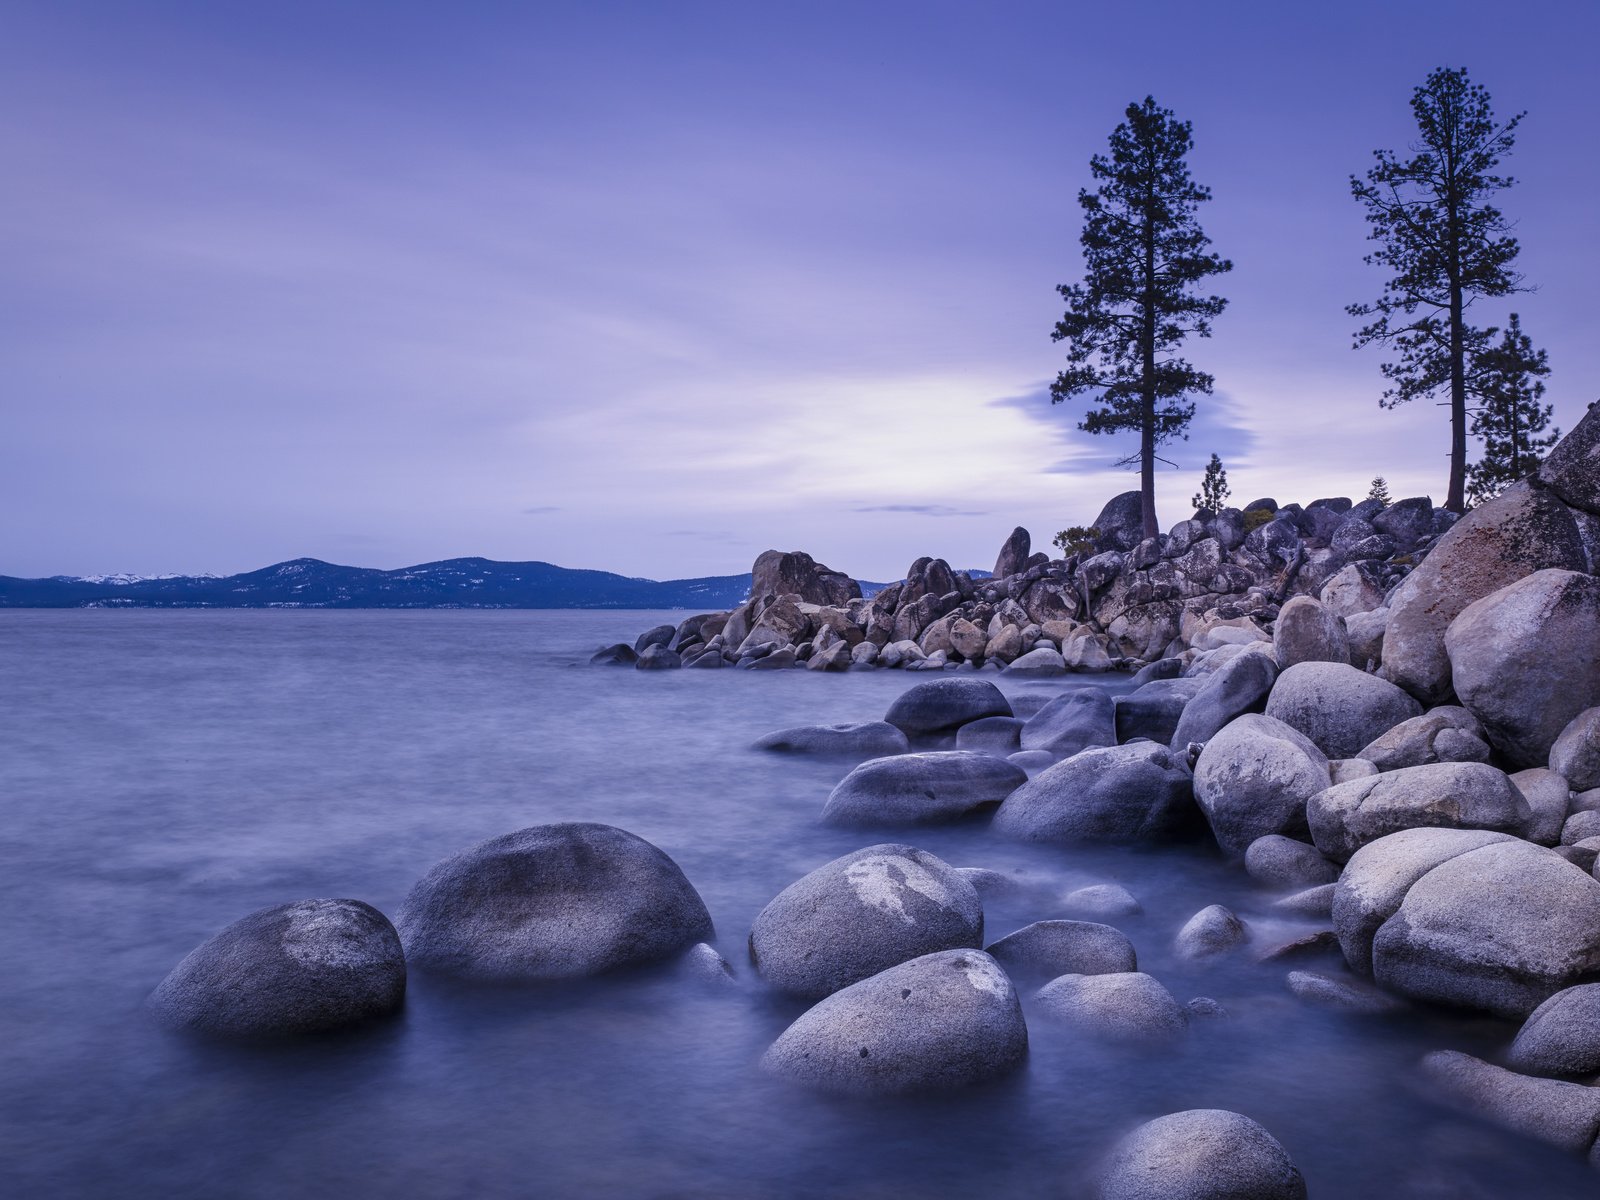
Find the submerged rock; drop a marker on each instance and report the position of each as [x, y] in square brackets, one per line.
[1046, 949]
[1202, 1154]
[1561, 1114]
[941, 1021]
[1102, 900]
[551, 902]
[1119, 794]
[913, 789]
[302, 967]
[1127, 1006]
[941, 705]
[870, 738]
[1074, 721]
[1212, 930]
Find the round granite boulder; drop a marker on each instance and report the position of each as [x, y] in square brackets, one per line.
[939, 1022]
[1073, 721]
[1202, 1154]
[920, 789]
[1128, 1006]
[1254, 778]
[302, 967]
[1046, 949]
[1467, 795]
[1444, 734]
[1575, 754]
[1124, 794]
[942, 705]
[1338, 707]
[861, 914]
[551, 902]
[867, 739]
[1562, 1035]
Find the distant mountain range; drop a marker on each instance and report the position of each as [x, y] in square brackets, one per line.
[453, 583]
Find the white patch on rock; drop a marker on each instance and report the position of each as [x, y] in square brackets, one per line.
[985, 975]
[877, 883]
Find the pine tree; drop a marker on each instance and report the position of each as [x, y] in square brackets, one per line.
[1380, 491]
[1214, 490]
[1508, 381]
[1447, 246]
[1143, 253]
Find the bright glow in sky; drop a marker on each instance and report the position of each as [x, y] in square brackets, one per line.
[651, 288]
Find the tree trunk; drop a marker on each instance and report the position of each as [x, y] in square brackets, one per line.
[1456, 500]
[1147, 408]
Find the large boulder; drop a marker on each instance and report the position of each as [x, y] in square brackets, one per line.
[1120, 524]
[1238, 687]
[1347, 816]
[1073, 721]
[1561, 1114]
[1572, 469]
[914, 789]
[1354, 588]
[1446, 734]
[941, 1021]
[551, 902]
[1338, 707]
[1562, 1035]
[1202, 1154]
[1047, 949]
[1308, 631]
[1575, 753]
[1153, 710]
[1014, 554]
[1520, 531]
[1126, 1006]
[991, 735]
[1282, 862]
[867, 739]
[302, 967]
[941, 705]
[1125, 794]
[1254, 778]
[1375, 881]
[794, 573]
[1526, 660]
[1549, 795]
[860, 914]
[1501, 928]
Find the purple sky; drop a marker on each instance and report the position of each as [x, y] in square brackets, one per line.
[653, 287]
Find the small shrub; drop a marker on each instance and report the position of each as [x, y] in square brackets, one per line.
[1380, 491]
[1256, 518]
[1079, 539]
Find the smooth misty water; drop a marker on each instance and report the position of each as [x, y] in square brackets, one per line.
[162, 774]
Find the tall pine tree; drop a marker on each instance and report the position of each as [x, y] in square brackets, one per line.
[1508, 381]
[1446, 246]
[1143, 253]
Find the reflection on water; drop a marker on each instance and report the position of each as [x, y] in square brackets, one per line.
[162, 774]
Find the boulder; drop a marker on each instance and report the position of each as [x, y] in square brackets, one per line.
[991, 735]
[1347, 816]
[1343, 770]
[776, 573]
[1354, 588]
[1307, 631]
[780, 623]
[1102, 900]
[302, 967]
[940, 1021]
[1202, 1154]
[1282, 862]
[1575, 753]
[1548, 795]
[1316, 902]
[1441, 735]
[1128, 1006]
[658, 658]
[1580, 826]
[1365, 632]
[1085, 652]
[967, 639]
[1120, 525]
[1014, 554]
[1073, 721]
[835, 656]
[867, 739]
[661, 635]
[1572, 468]
[1338, 707]
[1213, 930]
[1254, 778]
[941, 705]
[1561, 1036]
[1047, 949]
[1121, 794]
[1042, 661]
[860, 914]
[1342, 994]
[1239, 687]
[1154, 710]
[1406, 521]
[619, 655]
[1561, 1114]
[1519, 532]
[1525, 660]
[1501, 928]
[551, 902]
[916, 789]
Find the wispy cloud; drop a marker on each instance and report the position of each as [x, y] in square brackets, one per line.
[539, 510]
[923, 510]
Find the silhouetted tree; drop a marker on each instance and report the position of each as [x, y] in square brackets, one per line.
[1143, 253]
[1214, 490]
[1379, 491]
[1446, 244]
[1508, 381]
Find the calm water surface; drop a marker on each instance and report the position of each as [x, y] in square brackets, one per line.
[162, 774]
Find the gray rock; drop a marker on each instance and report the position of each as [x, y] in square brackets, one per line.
[1343, 994]
[941, 1021]
[779, 573]
[1501, 928]
[1102, 900]
[619, 655]
[1447, 734]
[1127, 1006]
[1032, 761]
[991, 735]
[1014, 554]
[1121, 522]
[1313, 902]
[1548, 795]
[1315, 944]
[918, 789]
[1046, 949]
[1406, 521]
[1213, 930]
[1073, 721]
[1579, 826]
[1278, 861]
[1154, 710]
[1562, 1035]
[658, 658]
[1576, 751]
[703, 962]
[1347, 816]
[1562, 1114]
[1254, 778]
[302, 967]
[1526, 660]
[1343, 770]
[1117, 794]
[1202, 1154]
[661, 635]
[1041, 661]
[1338, 707]
[778, 660]
[861, 914]
[1365, 631]
[867, 738]
[1377, 877]
[943, 705]
[1165, 668]
[551, 902]
[1572, 469]
[1518, 532]
[1239, 687]
[833, 657]
[1204, 1008]
[1352, 589]
[710, 660]
[1306, 631]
